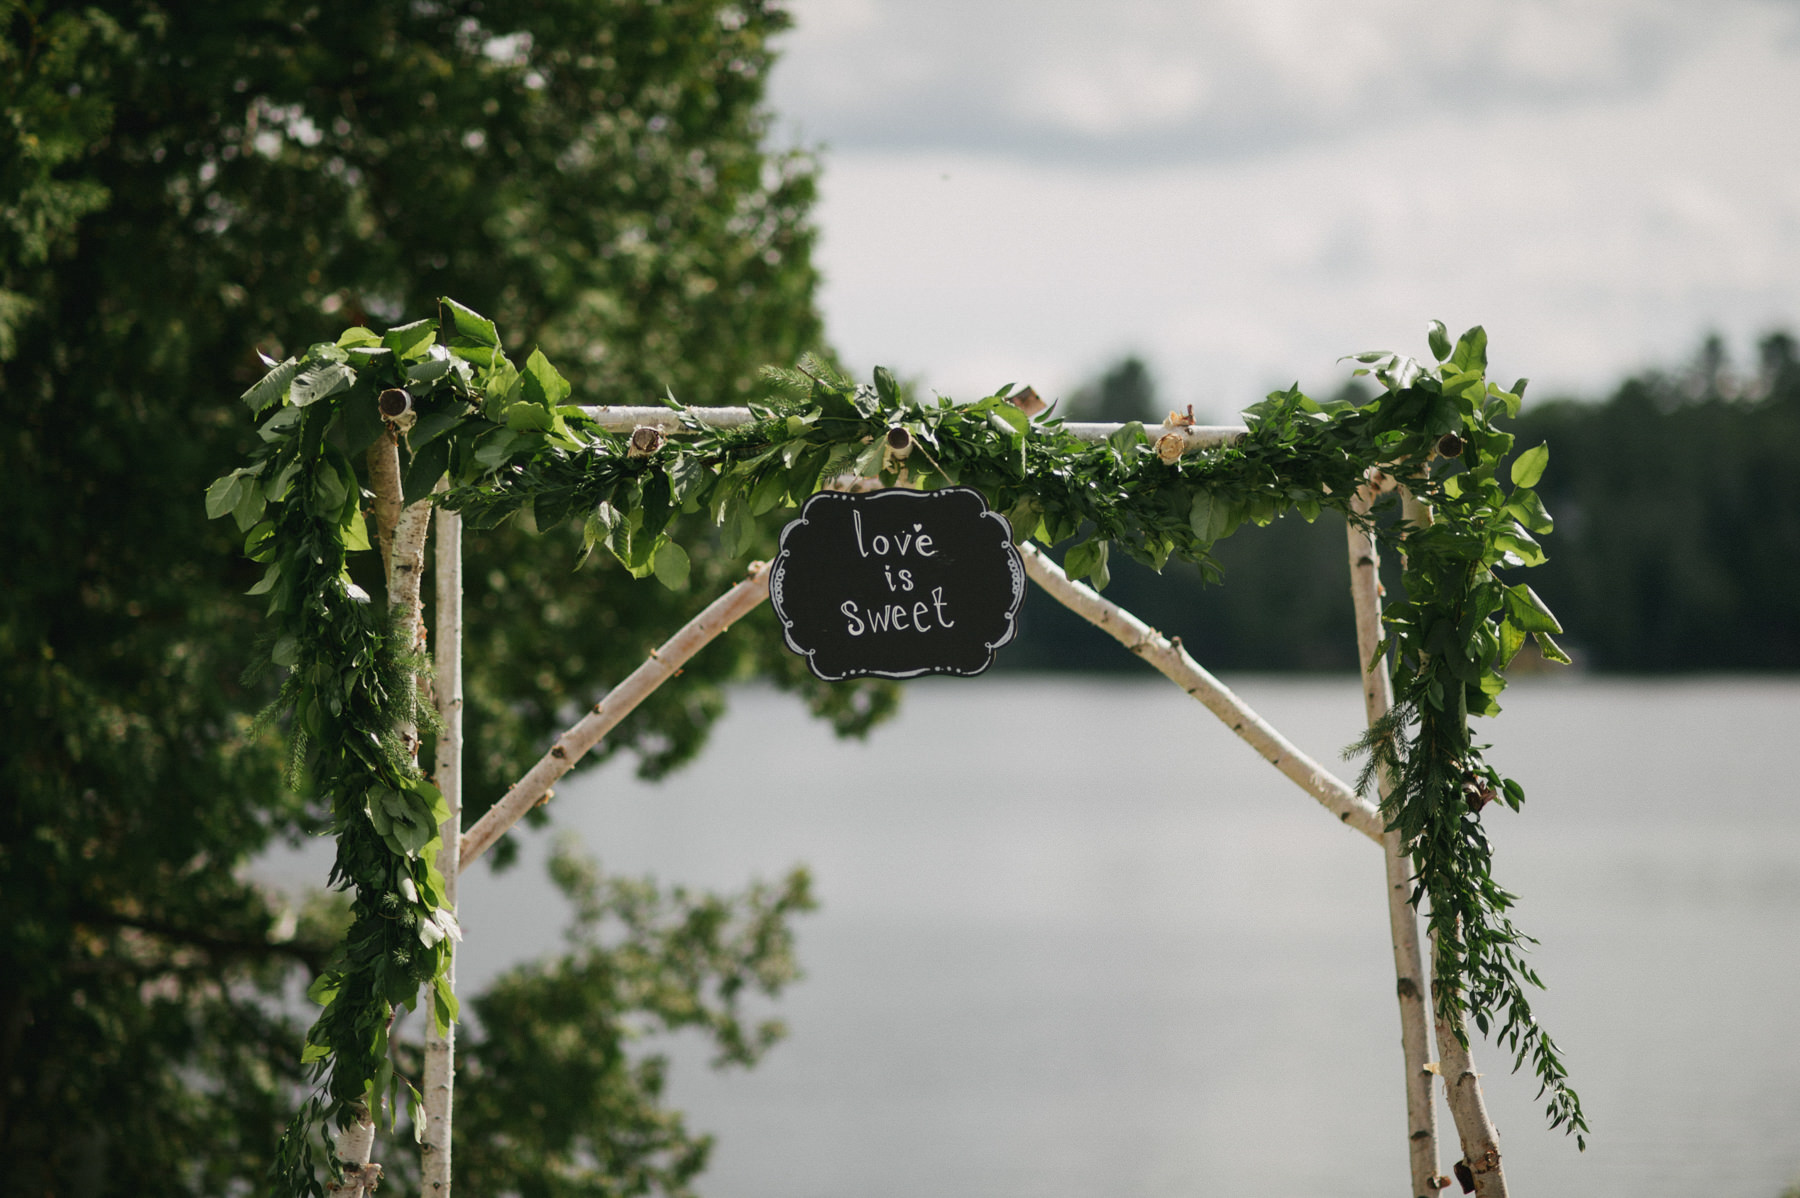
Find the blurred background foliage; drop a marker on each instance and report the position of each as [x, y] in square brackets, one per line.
[182, 185]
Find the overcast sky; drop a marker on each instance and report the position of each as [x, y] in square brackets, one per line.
[1025, 190]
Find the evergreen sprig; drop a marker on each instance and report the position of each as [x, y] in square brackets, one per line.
[510, 440]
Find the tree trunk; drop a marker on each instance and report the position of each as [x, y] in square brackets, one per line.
[440, 1050]
[1174, 663]
[1403, 920]
[573, 744]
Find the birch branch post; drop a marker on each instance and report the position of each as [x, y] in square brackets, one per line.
[401, 532]
[440, 1050]
[1475, 1132]
[1174, 663]
[1403, 920]
[573, 744]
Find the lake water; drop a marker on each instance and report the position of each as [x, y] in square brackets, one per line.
[1077, 940]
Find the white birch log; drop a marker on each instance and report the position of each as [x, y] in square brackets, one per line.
[1462, 1091]
[440, 1050]
[402, 531]
[623, 419]
[1403, 920]
[384, 481]
[1462, 1083]
[354, 1146]
[1173, 662]
[664, 663]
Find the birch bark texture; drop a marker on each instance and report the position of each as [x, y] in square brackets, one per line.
[1174, 663]
[440, 1050]
[575, 741]
[1403, 920]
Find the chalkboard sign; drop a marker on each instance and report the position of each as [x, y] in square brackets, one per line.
[897, 583]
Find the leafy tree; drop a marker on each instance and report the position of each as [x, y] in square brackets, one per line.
[550, 1102]
[181, 184]
[1125, 392]
[1678, 515]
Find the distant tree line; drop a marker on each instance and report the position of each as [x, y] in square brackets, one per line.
[1677, 543]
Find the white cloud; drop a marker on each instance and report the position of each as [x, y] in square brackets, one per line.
[1592, 236]
[1141, 81]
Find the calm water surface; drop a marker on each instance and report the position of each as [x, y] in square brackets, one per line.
[1077, 940]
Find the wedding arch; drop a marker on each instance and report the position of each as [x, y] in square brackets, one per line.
[453, 431]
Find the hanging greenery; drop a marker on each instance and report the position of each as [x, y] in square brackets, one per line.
[508, 439]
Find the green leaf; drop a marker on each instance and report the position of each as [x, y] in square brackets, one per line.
[268, 389]
[496, 448]
[1008, 419]
[328, 491]
[737, 528]
[1439, 336]
[267, 583]
[433, 425]
[1528, 467]
[1525, 507]
[1524, 608]
[318, 382]
[689, 478]
[357, 335]
[1521, 545]
[886, 387]
[249, 507]
[222, 496]
[1471, 351]
[356, 533]
[472, 329]
[529, 417]
[868, 462]
[1128, 436]
[543, 384]
[444, 1005]
[1551, 649]
[770, 491]
[672, 566]
[411, 342]
[427, 466]
[1200, 515]
[1088, 560]
[1512, 639]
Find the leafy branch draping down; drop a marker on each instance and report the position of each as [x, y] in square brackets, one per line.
[509, 438]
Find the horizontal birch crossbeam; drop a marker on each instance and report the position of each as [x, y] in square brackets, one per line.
[625, 419]
[1175, 664]
[663, 664]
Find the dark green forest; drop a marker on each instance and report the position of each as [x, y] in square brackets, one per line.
[185, 185]
[1677, 542]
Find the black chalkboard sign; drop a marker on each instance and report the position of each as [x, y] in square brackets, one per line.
[897, 583]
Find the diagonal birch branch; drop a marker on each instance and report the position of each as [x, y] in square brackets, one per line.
[574, 743]
[1174, 663]
[1403, 919]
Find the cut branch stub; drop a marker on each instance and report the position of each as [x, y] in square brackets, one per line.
[395, 402]
[645, 441]
[1027, 401]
